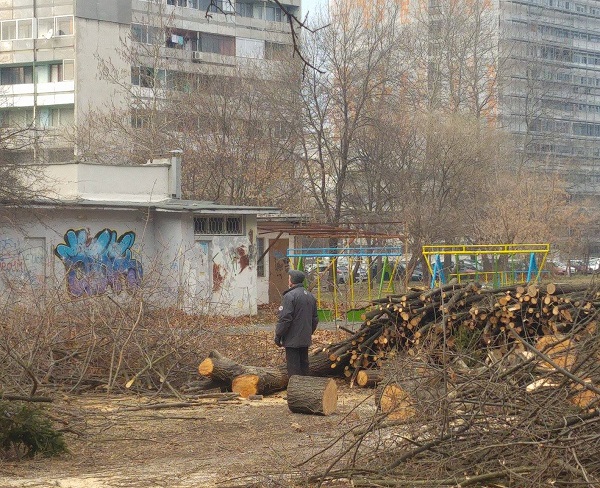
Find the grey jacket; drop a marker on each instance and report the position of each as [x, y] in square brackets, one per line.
[297, 318]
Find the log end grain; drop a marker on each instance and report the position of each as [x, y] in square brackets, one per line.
[246, 385]
[394, 401]
[206, 367]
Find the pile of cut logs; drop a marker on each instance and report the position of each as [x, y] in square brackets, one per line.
[403, 322]
[400, 322]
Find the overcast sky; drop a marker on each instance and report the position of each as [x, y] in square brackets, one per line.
[312, 7]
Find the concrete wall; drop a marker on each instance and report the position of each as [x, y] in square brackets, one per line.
[89, 252]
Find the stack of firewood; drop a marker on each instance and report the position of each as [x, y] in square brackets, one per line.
[502, 317]
[400, 322]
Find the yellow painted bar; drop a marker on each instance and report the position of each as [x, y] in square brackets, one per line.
[478, 249]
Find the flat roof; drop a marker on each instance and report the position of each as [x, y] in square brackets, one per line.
[169, 205]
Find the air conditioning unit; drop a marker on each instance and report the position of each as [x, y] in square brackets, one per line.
[197, 55]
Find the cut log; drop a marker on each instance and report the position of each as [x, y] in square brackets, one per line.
[393, 400]
[261, 382]
[312, 395]
[368, 378]
[559, 348]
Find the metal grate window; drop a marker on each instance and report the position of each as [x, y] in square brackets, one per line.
[219, 225]
[260, 249]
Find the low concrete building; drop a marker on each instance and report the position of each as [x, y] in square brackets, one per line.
[125, 229]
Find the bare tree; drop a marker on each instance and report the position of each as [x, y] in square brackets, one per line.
[356, 54]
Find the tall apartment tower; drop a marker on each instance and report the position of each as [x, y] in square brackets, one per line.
[49, 53]
[549, 96]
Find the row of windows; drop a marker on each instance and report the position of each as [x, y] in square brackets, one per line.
[261, 11]
[32, 28]
[562, 76]
[564, 150]
[44, 73]
[563, 33]
[219, 225]
[566, 55]
[569, 5]
[586, 129]
[590, 129]
[45, 117]
[564, 106]
[195, 41]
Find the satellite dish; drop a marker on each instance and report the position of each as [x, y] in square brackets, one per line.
[48, 34]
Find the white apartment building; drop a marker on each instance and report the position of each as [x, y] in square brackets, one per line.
[50, 52]
[550, 97]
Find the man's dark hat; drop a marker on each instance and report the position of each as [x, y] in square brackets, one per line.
[296, 276]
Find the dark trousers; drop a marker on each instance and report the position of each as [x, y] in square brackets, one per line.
[297, 360]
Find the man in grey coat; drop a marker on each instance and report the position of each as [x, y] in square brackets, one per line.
[297, 320]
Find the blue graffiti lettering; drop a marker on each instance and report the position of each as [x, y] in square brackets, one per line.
[94, 264]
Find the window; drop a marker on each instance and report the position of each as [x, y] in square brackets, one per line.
[260, 249]
[212, 43]
[9, 30]
[25, 29]
[68, 69]
[45, 27]
[275, 50]
[219, 225]
[273, 14]
[54, 27]
[16, 75]
[146, 34]
[16, 117]
[249, 48]
[244, 9]
[55, 116]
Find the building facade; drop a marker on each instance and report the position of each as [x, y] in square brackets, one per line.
[94, 233]
[50, 52]
[549, 95]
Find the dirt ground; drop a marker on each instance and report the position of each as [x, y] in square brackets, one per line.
[116, 441]
[211, 444]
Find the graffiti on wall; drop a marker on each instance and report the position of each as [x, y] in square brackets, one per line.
[95, 264]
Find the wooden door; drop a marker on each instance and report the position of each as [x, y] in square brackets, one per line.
[278, 268]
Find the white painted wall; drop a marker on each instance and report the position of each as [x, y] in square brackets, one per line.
[89, 181]
[175, 272]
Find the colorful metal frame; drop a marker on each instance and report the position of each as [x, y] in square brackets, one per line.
[497, 276]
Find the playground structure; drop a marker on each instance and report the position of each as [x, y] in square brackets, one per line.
[347, 266]
[502, 263]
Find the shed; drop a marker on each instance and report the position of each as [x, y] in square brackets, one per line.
[100, 229]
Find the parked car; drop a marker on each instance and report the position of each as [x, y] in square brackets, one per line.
[343, 274]
[560, 268]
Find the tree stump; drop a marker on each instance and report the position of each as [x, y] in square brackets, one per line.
[394, 401]
[312, 395]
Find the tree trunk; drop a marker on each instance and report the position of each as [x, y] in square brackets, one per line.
[312, 395]
[268, 381]
[253, 380]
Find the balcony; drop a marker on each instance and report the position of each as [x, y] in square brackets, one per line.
[23, 95]
[213, 58]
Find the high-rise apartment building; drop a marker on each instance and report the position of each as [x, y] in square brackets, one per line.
[50, 52]
[549, 96]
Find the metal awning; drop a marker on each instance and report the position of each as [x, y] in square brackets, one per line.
[323, 231]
